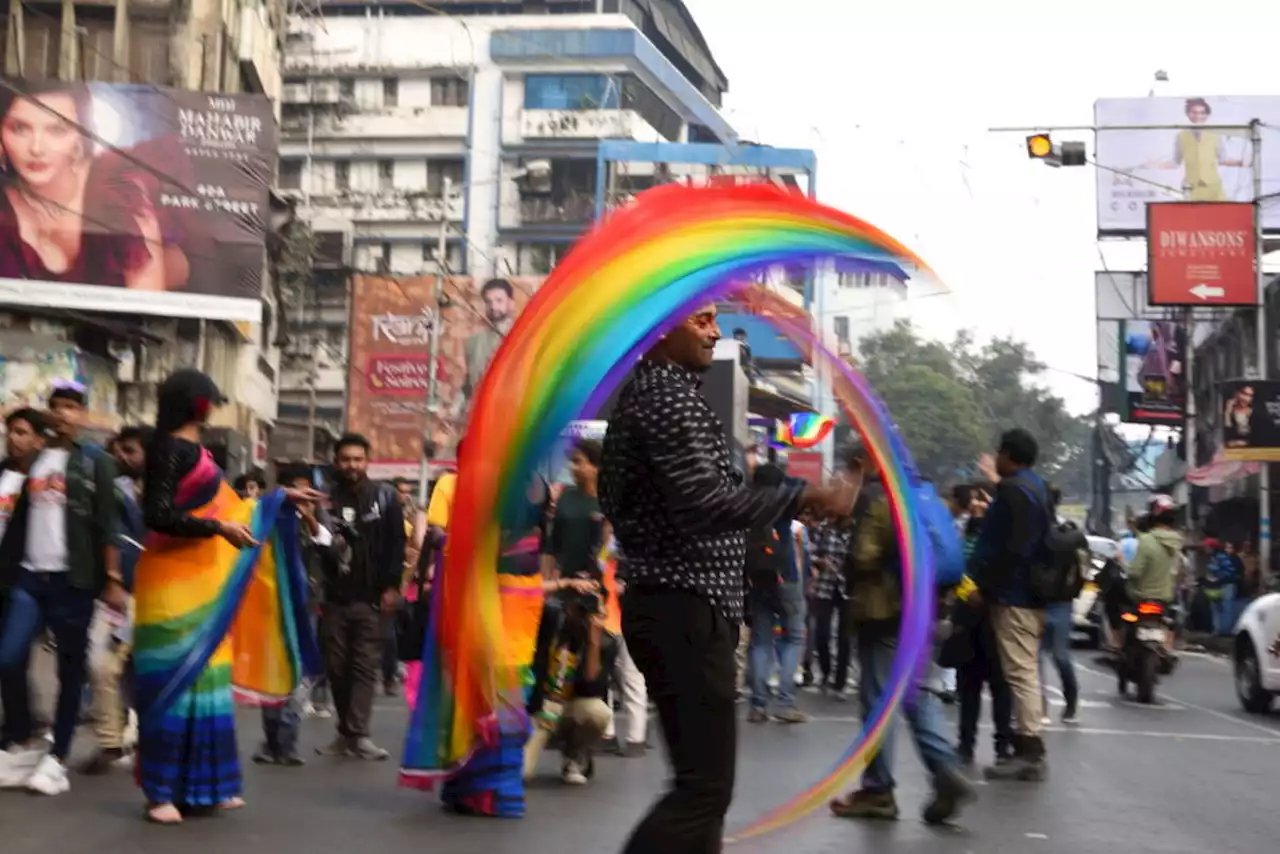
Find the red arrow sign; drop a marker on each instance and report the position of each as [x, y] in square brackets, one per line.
[1201, 253]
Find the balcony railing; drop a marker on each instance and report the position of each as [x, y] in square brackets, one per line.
[538, 210]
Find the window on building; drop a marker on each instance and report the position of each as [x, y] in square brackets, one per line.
[291, 174]
[571, 92]
[383, 260]
[453, 256]
[386, 175]
[440, 169]
[329, 247]
[537, 259]
[347, 87]
[390, 91]
[842, 329]
[449, 92]
[342, 174]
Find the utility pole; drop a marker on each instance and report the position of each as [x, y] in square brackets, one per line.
[1264, 344]
[433, 352]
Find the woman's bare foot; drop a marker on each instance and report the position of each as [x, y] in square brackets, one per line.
[231, 804]
[163, 814]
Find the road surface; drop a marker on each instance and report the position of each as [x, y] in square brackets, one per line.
[1192, 775]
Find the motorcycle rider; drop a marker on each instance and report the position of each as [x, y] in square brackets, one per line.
[1155, 565]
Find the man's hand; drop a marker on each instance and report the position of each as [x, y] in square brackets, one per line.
[390, 600]
[115, 597]
[836, 498]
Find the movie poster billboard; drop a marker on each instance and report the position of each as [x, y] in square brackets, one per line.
[1251, 420]
[392, 319]
[1155, 386]
[134, 198]
[1182, 162]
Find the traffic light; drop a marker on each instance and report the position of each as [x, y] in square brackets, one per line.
[1040, 146]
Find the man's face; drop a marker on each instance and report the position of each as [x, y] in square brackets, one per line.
[497, 305]
[352, 462]
[68, 417]
[1197, 114]
[23, 442]
[581, 468]
[130, 457]
[405, 491]
[251, 489]
[1005, 467]
[299, 483]
[692, 344]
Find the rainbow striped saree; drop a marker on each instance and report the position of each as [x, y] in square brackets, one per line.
[215, 624]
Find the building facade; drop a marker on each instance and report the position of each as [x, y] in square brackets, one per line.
[480, 140]
[214, 46]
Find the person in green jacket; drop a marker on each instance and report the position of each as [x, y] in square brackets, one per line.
[1154, 567]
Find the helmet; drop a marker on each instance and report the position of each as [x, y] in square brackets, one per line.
[1162, 504]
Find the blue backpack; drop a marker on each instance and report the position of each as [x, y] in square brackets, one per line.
[940, 529]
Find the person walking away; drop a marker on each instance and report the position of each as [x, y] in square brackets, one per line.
[280, 723]
[1056, 643]
[1155, 565]
[875, 596]
[198, 529]
[775, 573]
[982, 670]
[1010, 543]
[361, 592]
[24, 439]
[831, 554]
[1223, 577]
[678, 509]
[111, 633]
[70, 558]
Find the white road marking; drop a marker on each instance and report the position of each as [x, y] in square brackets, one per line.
[1036, 835]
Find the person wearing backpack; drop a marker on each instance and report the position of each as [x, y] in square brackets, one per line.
[875, 609]
[1056, 644]
[776, 567]
[1007, 566]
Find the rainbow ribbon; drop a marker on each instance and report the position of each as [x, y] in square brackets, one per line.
[804, 430]
[640, 273]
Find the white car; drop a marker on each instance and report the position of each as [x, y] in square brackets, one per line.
[1257, 669]
[1083, 622]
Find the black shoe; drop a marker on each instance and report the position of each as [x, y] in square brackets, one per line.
[950, 792]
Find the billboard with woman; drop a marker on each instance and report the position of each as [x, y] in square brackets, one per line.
[134, 198]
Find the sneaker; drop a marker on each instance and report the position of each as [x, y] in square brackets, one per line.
[291, 760]
[866, 803]
[610, 745]
[950, 792]
[1071, 716]
[264, 757]
[391, 688]
[365, 749]
[50, 777]
[572, 774]
[839, 695]
[19, 762]
[340, 746]
[757, 716]
[791, 716]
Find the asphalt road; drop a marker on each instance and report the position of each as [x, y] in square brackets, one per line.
[1193, 774]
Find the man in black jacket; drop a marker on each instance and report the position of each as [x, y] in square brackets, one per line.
[361, 592]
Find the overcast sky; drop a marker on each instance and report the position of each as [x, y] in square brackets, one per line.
[896, 96]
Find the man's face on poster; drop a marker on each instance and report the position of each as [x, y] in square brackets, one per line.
[1198, 114]
[497, 305]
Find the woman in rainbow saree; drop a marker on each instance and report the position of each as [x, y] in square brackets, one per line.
[221, 611]
[487, 780]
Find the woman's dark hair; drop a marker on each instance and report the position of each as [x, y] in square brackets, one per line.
[186, 396]
[591, 449]
[32, 90]
[292, 472]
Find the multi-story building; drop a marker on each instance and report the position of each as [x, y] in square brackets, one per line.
[201, 45]
[481, 138]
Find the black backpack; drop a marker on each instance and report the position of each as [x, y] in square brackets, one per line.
[1057, 572]
[766, 558]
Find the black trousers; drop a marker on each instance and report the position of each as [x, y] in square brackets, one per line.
[824, 611]
[981, 670]
[685, 648]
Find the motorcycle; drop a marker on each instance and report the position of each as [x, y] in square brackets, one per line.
[1143, 656]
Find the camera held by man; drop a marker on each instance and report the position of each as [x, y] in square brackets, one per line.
[571, 704]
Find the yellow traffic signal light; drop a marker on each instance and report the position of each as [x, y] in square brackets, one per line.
[1039, 146]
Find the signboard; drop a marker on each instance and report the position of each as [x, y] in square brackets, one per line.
[1201, 253]
[388, 375]
[1155, 388]
[1251, 420]
[1184, 163]
[134, 198]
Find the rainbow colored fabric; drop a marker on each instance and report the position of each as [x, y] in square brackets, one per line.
[640, 273]
[213, 624]
[803, 430]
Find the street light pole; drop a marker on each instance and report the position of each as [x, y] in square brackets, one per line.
[433, 352]
[1264, 344]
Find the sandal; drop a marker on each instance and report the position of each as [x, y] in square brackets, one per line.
[231, 804]
[163, 814]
